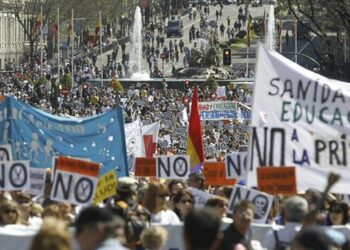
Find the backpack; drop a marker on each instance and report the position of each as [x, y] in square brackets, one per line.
[280, 245]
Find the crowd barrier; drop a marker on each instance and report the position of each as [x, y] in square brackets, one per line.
[19, 237]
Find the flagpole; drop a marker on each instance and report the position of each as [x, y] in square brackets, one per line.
[41, 40]
[58, 45]
[296, 41]
[247, 67]
[345, 48]
[72, 43]
[281, 26]
[100, 30]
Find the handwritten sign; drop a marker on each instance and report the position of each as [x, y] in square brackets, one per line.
[277, 180]
[215, 174]
[106, 186]
[145, 166]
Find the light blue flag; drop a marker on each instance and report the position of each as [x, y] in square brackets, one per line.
[38, 136]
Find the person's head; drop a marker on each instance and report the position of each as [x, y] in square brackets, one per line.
[243, 215]
[155, 197]
[313, 197]
[154, 237]
[9, 213]
[219, 205]
[52, 211]
[53, 235]
[183, 203]
[338, 213]
[94, 225]
[201, 229]
[320, 238]
[175, 185]
[65, 208]
[36, 210]
[295, 209]
[196, 180]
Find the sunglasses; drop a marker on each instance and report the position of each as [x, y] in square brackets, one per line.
[186, 201]
[7, 211]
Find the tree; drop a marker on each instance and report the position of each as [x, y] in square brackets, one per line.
[328, 21]
[28, 15]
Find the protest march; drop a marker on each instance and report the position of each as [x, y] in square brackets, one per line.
[262, 167]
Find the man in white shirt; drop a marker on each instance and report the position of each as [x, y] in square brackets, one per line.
[295, 210]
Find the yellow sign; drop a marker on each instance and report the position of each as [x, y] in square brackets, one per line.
[106, 186]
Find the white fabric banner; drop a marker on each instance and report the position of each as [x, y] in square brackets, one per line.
[134, 139]
[301, 119]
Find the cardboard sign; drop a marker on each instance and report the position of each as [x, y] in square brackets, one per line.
[215, 174]
[277, 180]
[236, 165]
[106, 186]
[145, 166]
[200, 196]
[5, 153]
[14, 175]
[75, 180]
[173, 167]
[37, 181]
[262, 202]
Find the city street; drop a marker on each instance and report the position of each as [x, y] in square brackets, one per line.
[228, 10]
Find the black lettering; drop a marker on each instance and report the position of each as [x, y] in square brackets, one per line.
[326, 91]
[275, 87]
[4, 154]
[282, 143]
[315, 91]
[339, 94]
[343, 145]
[298, 112]
[60, 183]
[302, 92]
[256, 143]
[288, 88]
[321, 115]
[161, 165]
[309, 119]
[333, 148]
[236, 167]
[17, 169]
[319, 147]
[90, 186]
[181, 173]
[2, 179]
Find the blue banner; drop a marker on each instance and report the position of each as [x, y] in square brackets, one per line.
[38, 136]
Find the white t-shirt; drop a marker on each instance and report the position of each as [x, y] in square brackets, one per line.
[165, 217]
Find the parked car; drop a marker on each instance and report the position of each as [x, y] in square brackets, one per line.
[174, 27]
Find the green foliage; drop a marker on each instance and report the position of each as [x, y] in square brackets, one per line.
[41, 81]
[66, 81]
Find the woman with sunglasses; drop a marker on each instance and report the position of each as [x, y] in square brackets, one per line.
[183, 203]
[337, 214]
[155, 200]
[9, 213]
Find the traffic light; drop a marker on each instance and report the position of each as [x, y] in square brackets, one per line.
[227, 56]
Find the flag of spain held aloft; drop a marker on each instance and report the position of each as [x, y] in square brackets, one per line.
[195, 147]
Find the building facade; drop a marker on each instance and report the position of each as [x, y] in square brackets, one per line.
[12, 37]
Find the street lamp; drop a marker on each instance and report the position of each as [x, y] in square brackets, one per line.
[273, 2]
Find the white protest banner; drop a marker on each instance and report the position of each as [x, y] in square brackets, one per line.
[262, 202]
[75, 180]
[200, 196]
[14, 175]
[134, 139]
[173, 167]
[5, 153]
[218, 110]
[37, 181]
[300, 119]
[236, 165]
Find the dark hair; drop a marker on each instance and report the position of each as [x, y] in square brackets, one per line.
[338, 207]
[177, 198]
[172, 183]
[243, 204]
[92, 216]
[201, 228]
[216, 202]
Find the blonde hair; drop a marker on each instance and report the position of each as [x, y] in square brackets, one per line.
[53, 235]
[6, 205]
[36, 209]
[149, 199]
[154, 237]
[52, 211]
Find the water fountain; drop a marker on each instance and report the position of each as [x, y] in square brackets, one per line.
[270, 34]
[136, 53]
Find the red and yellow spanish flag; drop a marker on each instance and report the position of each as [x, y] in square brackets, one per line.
[195, 147]
[70, 31]
[37, 25]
